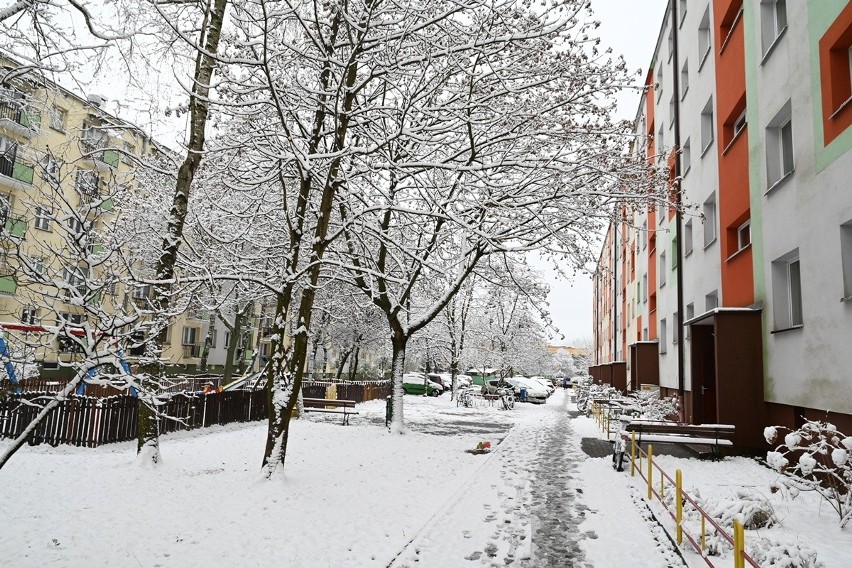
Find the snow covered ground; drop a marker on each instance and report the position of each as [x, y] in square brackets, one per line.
[361, 496]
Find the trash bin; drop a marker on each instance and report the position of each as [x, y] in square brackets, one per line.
[522, 395]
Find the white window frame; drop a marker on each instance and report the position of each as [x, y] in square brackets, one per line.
[846, 258]
[58, 118]
[685, 158]
[687, 238]
[709, 211]
[707, 126]
[773, 22]
[663, 269]
[787, 291]
[705, 38]
[714, 297]
[189, 335]
[43, 216]
[663, 337]
[690, 313]
[675, 328]
[744, 235]
[684, 79]
[29, 315]
[780, 161]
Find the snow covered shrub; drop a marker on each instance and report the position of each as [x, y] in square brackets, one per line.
[752, 509]
[652, 407]
[782, 555]
[815, 458]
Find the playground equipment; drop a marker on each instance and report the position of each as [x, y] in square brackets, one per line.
[28, 328]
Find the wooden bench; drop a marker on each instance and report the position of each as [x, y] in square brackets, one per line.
[344, 407]
[696, 436]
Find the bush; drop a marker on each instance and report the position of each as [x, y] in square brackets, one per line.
[815, 458]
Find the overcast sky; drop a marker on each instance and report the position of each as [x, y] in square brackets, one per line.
[630, 28]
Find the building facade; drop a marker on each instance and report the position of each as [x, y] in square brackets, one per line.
[741, 303]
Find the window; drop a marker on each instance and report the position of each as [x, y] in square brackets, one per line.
[213, 333]
[846, 257]
[690, 313]
[87, 184]
[663, 269]
[709, 211]
[704, 38]
[659, 81]
[142, 292]
[227, 338]
[707, 126]
[644, 235]
[75, 226]
[663, 336]
[711, 301]
[128, 154]
[43, 215]
[687, 238]
[38, 265]
[685, 158]
[787, 291]
[8, 151]
[671, 111]
[51, 168]
[744, 235]
[779, 146]
[75, 277]
[644, 288]
[58, 117]
[64, 318]
[682, 11]
[188, 336]
[675, 328]
[740, 123]
[684, 79]
[660, 144]
[29, 315]
[773, 21]
[671, 43]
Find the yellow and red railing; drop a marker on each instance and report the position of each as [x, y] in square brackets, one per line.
[699, 543]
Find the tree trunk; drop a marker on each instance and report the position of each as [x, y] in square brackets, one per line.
[343, 358]
[233, 344]
[148, 431]
[399, 341]
[208, 343]
[353, 365]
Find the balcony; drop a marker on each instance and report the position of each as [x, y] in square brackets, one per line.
[15, 118]
[192, 351]
[15, 227]
[15, 173]
[93, 145]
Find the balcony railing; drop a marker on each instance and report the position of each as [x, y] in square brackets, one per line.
[192, 351]
[17, 170]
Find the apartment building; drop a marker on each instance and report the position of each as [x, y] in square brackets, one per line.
[741, 303]
[62, 157]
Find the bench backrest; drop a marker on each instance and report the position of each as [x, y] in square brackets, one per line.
[699, 430]
[328, 402]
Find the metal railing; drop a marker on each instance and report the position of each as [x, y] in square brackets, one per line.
[698, 543]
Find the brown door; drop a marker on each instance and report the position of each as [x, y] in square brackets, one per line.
[708, 385]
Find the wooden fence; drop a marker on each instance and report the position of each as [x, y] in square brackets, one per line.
[93, 421]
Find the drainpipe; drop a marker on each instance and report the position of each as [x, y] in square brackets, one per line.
[678, 214]
[614, 294]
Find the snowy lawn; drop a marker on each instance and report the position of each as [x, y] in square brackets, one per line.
[359, 496]
[351, 496]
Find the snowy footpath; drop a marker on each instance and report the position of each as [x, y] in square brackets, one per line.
[351, 496]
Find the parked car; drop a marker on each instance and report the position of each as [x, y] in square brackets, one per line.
[441, 379]
[418, 383]
[536, 393]
[544, 383]
[579, 379]
[464, 380]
